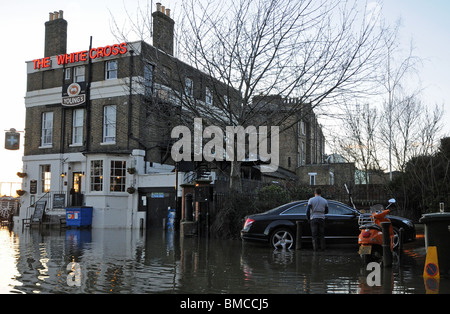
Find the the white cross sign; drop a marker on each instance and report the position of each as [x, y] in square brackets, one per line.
[12, 140]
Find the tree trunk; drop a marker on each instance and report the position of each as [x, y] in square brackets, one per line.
[235, 176]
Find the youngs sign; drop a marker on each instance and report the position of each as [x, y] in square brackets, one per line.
[74, 94]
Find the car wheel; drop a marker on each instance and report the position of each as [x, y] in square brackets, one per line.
[282, 239]
[396, 238]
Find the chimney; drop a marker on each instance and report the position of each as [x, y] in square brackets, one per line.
[55, 34]
[163, 27]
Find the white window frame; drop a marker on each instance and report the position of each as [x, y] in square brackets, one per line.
[79, 74]
[312, 178]
[47, 129]
[109, 124]
[189, 87]
[208, 97]
[96, 175]
[118, 175]
[77, 127]
[111, 70]
[67, 74]
[46, 178]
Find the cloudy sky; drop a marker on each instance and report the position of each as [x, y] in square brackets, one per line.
[426, 23]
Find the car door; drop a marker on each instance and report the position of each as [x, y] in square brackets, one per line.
[298, 213]
[341, 221]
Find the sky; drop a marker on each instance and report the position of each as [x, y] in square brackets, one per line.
[426, 23]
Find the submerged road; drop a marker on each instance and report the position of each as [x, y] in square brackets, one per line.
[129, 261]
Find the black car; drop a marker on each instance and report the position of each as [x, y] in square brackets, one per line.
[278, 226]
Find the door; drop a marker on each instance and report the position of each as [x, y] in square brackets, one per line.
[298, 213]
[158, 203]
[341, 222]
[75, 191]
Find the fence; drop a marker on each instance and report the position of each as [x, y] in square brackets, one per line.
[9, 207]
[363, 196]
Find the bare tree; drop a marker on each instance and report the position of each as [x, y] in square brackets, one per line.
[320, 53]
[395, 71]
[357, 140]
[411, 128]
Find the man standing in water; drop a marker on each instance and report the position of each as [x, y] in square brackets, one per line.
[316, 211]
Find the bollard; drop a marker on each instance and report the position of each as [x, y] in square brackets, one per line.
[298, 239]
[387, 253]
[401, 233]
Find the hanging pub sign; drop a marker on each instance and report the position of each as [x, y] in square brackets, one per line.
[74, 94]
[12, 140]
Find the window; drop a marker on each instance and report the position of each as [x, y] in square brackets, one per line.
[208, 97]
[303, 154]
[47, 129]
[96, 175]
[189, 87]
[68, 74]
[77, 126]
[78, 74]
[46, 176]
[225, 101]
[148, 80]
[111, 70]
[118, 176]
[109, 124]
[296, 210]
[312, 178]
[339, 209]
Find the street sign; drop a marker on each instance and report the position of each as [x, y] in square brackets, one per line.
[431, 268]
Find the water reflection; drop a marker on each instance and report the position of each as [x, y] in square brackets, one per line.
[131, 261]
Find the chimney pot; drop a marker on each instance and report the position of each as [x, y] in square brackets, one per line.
[55, 34]
[158, 6]
[163, 30]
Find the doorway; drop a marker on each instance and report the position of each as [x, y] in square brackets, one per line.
[76, 196]
[156, 204]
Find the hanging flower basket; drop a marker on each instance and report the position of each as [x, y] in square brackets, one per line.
[21, 174]
[131, 190]
[131, 170]
[20, 192]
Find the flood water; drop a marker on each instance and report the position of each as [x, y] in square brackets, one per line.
[131, 261]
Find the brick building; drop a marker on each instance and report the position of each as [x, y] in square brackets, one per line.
[92, 135]
[98, 127]
[302, 142]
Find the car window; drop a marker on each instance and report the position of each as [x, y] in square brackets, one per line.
[296, 210]
[338, 209]
[280, 208]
